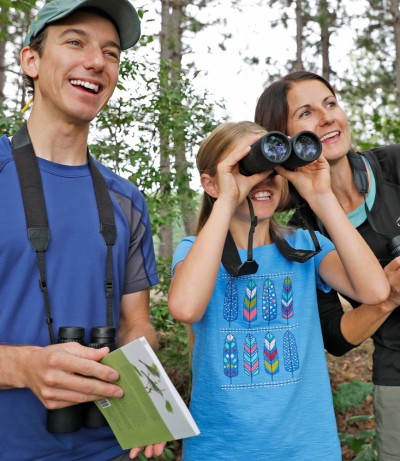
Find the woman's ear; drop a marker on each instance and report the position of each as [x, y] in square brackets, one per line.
[209, 184]
[29, 60]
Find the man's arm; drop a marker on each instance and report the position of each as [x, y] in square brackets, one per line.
[135, 318]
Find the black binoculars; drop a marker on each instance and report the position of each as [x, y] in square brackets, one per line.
[275, 148]
[71, 419]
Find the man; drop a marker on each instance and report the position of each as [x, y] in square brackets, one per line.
[91, 272]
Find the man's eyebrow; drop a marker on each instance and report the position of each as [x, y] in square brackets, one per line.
[83, 33]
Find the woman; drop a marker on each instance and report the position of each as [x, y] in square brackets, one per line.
[367, 186]
[260, 382]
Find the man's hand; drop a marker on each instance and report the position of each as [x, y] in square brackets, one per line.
[152, 450]
[61, 375]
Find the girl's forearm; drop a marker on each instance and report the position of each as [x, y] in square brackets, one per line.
[194, 278]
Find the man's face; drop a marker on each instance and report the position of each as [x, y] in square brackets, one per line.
[78, 68]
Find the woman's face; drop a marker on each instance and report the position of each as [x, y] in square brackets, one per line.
[313, 107]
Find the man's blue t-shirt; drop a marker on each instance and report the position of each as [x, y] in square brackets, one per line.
[260, 383]
[75, 269]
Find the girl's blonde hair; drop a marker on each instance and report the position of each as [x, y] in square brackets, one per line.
[209, 155]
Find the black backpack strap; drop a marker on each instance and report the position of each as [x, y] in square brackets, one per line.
[35, 209]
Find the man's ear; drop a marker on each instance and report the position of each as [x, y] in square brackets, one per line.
[29, 60]
[209, 184]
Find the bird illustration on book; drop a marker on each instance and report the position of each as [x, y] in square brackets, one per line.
[290, 354]
[231, 301]
[153, 382]
[152, 368]
[250, 356]
[271, 359]
[269, 303]
[287, 299]
[231, 361]
[250, 302]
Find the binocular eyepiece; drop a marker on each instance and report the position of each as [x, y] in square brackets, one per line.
[71, 419]
[275, 148]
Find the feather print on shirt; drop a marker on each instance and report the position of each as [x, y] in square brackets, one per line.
[250, 302]
[287, 299]
[269, 303]
[250, 356]
[290, 354]
[271, 359]
[231, 361]
[231, 301]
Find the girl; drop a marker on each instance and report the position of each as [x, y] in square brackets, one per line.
[260, 381]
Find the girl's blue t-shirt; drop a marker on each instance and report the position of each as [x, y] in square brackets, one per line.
[260, 384]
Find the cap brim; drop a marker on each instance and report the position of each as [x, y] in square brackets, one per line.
[121, 12]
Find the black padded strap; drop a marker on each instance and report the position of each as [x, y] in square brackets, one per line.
[36, 215]
[35, 209]
[108, 230]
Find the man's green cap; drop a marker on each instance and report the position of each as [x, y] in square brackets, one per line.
[121, 12]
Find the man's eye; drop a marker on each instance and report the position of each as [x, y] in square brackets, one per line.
[112, 54]
[74, 42]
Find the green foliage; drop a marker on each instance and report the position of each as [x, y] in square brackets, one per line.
[350, 396]
[10, 120]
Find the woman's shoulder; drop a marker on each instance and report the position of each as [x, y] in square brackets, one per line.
[387, 160]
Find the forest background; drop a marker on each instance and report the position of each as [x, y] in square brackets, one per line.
[165, 106]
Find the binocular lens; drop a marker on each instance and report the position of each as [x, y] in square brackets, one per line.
[306, 147]
[275, 147]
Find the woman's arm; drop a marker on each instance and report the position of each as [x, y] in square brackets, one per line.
[353, 268]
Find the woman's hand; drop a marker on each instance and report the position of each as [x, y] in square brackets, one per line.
[312, 181]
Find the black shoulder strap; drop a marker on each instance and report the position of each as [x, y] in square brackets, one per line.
[359, 171]
[36, 215]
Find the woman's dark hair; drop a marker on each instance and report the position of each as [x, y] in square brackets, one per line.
[272, 109]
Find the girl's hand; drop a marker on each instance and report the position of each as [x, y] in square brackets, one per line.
[311, 180]
[230, 182]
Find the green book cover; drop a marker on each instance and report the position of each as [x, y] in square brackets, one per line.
[151, 409]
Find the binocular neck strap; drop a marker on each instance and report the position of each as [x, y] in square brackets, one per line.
[230, 255]
[36, 216]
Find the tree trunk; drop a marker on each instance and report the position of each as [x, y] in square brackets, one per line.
[299, 36]
[394, 9]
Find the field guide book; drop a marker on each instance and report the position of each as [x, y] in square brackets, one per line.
[151, 409]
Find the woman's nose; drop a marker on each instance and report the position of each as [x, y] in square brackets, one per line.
[327, 117]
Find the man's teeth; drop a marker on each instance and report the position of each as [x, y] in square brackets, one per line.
[262, 196]
[329, 135]
[89, 86]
